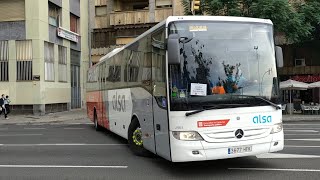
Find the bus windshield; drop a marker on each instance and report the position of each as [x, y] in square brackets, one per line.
[222, 62]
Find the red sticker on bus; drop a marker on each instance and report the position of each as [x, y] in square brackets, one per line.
[213, 123]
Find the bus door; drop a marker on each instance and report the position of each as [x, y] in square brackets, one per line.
[160, 107]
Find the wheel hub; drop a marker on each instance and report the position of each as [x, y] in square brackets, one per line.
[137, 137]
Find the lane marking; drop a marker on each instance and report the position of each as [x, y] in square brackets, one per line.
[294, 146]
[21, 135]
[300, 130]
[302, 139]
[284, 156]
[73, 128]
[34, 128]
[62, 144]
[273, 169]
[60, 166]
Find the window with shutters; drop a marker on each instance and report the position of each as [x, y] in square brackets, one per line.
[4, 64]
[54, 15]
[74, 23]
[62, 51]
[24, 60]
[49, 61]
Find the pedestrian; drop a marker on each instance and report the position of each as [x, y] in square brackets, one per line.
[2, 108]
[7, 106]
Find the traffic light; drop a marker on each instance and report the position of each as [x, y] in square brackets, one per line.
[196, 5]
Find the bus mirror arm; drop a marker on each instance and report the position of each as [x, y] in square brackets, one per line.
[173, 49]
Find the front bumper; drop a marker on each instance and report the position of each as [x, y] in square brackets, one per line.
[182, 151]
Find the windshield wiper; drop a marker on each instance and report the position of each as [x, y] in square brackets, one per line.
[218, 106]
[267, 101]
[200, 110]
[262, 99]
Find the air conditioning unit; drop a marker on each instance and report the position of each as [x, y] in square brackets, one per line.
[300, 62]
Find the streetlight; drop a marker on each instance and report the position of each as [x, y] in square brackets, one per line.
[268, 71]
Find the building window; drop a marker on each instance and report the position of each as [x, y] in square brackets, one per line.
[49, 61]
[54, 15]
[4, 64]
[24, 60]
[74, 24]
[300, 62]
[101, 10]
[62, 51]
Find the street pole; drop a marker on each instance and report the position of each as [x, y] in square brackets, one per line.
[256, 48]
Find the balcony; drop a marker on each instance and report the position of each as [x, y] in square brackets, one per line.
[162, 13]
[101, 22]
[138, 17]
[299, 70]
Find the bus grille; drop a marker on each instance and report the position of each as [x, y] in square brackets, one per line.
[229, 135]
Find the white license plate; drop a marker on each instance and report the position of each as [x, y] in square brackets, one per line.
[239, 149]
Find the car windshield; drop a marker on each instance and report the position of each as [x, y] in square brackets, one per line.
[220, 60]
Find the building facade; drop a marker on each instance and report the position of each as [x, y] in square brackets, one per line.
[44, 54]
[115, 23]
[301, 63]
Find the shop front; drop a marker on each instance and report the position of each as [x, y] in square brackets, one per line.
[303, 100]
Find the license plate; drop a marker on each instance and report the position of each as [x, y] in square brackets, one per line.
[239, 149]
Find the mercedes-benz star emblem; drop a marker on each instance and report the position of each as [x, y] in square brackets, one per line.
[239, 133]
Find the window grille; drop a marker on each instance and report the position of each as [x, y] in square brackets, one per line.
[24, 60]
[4, 63]
[49, 61]
[62, 63]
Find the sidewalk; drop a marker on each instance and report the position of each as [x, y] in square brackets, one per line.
[295, 117]
[66, 117]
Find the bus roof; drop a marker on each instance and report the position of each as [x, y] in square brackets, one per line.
[188, 18]
[217, 18]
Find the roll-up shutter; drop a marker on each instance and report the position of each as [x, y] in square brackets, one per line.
[12, 10]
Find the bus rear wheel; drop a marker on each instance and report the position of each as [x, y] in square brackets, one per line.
[135, 139]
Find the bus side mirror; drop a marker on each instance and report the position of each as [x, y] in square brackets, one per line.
[279, 56]
[173, 48]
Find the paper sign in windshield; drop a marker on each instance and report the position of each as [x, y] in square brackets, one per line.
[198, 28]
[198, 89]
[212, 123]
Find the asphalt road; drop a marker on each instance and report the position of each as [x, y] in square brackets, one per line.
[70, 151]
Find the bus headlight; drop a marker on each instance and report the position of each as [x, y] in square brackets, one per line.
[276, 128]
[187, 135]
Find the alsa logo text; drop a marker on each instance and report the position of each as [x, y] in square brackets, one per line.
[262, 119]
[119, 102]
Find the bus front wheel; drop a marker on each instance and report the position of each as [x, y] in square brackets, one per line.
[135, 139]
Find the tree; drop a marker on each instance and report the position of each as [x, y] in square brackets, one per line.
[298, 19]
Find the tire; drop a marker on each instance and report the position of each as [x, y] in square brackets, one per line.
[95, 120]
[135, 139]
